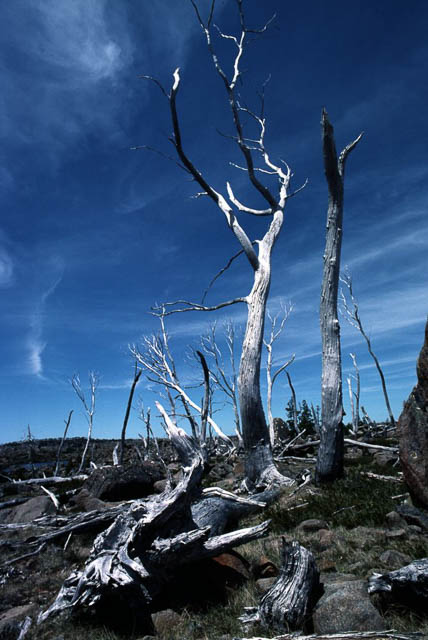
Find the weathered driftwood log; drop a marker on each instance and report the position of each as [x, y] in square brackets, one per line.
[288, 604]
[138, 555]
[408, 585]
[351, 635]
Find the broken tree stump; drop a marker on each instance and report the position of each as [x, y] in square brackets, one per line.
[289, 602]
[143, 551]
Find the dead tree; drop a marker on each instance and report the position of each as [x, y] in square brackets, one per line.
[357, 392]
[330, 454]
[275, 332]
[352, 314]
[158, 362]
[137, 375]
[293, 403]
[67, 424]
[227, 383]
[144, 550]
[89, 408]
[260, 466]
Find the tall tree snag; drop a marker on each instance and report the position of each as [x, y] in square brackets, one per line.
[260, 467]
[330, 454]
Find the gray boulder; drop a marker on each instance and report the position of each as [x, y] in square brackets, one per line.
[119, 483]
[346, 606]
[413, 432]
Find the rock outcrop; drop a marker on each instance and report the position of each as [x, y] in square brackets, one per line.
[123, 483]
[413, 432]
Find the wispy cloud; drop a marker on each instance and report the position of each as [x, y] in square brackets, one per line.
[6, 269]
[36, 345]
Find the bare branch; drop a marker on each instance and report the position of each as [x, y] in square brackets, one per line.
[220, 273]
[193, 306]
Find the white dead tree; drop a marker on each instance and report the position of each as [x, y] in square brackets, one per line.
[275, 331]
[355, 406]
[260, 466]
[226, 382]
[157, 361]
[88, 406]
[58, 455]
[352, 314]
[330, 453]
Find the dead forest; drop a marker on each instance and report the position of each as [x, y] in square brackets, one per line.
[270, 527]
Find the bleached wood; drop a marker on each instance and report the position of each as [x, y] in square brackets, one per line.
[135, 558]
[330, 454]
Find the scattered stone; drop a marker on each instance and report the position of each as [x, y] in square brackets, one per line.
[264, 568]
[236, 567]
[413, 432]
[394, 559]
[394, 520]
[413, 515]
[346, 606]
[385, 458]
[264, 584]
[326, 538]
[118, 483]
[160, 485]
[85, 501]
[413, 528]
[396, 534]
[31, 509]
[164, 621]
[332, 578]
[312, 525]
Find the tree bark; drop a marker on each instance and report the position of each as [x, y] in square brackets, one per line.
[260, 468]
[330, 453]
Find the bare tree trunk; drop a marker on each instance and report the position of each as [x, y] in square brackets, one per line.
[205, 403]
[293, 398]
[353, 317]
[330, 453]
[357, 393]
[137, 376]
[67, 424]
[259, 464]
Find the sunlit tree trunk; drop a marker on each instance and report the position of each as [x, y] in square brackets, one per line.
[330, 453]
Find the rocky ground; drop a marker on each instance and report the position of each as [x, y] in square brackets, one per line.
[354, 528]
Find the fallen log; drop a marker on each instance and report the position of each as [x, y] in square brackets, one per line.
[51, 481]
[140, 555]
[350, 635]
[408, 585]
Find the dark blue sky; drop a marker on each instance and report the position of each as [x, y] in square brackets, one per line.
[92, 234]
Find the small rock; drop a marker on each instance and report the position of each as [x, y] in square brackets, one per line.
[85, 501]
[312, 525]
[264, 568]
[396, 534]
[394, 520]
[394, 559]
[264, 584]
[164, 621]
[160, 485]
[326, 538]
[236, 566]
[413, 528]
[31, 509]
[385, 458]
